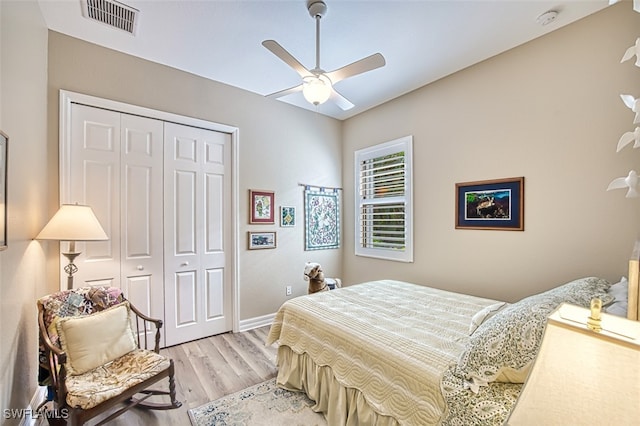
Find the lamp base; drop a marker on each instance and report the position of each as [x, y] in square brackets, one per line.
[71, 268]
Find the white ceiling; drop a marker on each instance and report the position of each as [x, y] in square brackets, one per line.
[421, 40]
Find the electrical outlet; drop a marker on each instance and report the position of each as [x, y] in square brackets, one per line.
[288, 290]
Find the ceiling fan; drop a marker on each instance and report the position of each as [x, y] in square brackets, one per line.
[317, 84]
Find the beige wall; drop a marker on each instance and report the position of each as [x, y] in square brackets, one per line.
[549, 111]
[279, 147]
[23, 77]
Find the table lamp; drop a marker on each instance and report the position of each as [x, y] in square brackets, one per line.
[587, 372]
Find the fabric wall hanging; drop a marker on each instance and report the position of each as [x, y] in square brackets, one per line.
[321, 219]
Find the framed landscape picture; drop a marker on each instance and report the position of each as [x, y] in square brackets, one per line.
[491, 204]
[262, 240]
[261, 207]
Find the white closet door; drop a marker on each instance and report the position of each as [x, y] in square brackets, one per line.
[94, 180]
[141, 204]
[116, 167]
[197, 243]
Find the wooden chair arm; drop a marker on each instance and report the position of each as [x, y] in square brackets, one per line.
[157, 322]
[56, 359]
[143, 330]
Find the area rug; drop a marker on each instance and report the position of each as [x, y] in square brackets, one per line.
[261, 404]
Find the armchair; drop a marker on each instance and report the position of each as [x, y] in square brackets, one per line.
[95, 354]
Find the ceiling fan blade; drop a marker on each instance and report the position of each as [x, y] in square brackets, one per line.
[285, 92]
[286, 57]
[358, 67]
[340, 100]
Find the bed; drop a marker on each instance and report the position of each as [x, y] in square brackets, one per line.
[389, 352]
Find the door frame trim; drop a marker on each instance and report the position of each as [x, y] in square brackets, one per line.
[67, 98]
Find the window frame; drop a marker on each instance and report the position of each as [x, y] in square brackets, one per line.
[403, 144]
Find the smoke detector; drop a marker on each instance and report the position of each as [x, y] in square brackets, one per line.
[113, 13]
[547, 17]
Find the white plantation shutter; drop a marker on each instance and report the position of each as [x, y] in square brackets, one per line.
[384, 221]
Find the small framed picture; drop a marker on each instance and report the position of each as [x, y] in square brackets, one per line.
[262, 240]
[261, 205]
[491, 204]
[287, 216]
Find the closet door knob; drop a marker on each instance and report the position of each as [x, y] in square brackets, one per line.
[140, 268]
[184, 264]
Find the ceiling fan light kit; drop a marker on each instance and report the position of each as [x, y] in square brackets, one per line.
[316, 89]
[317, 85]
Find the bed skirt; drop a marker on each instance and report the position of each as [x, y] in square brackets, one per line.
[342, 406]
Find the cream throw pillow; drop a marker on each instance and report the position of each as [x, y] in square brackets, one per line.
[94, 340]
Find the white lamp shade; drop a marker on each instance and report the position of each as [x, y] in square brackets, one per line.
[73, 222]
[581, 376]
[316, 89]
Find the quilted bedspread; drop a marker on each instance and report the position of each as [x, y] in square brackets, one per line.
[390, 340]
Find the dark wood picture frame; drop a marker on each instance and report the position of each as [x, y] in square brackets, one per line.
[4, 151]
[261, 207]
[491, 204]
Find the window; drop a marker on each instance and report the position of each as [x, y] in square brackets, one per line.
[384, 209]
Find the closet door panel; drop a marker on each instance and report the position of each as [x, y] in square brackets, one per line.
[182, 235]
[138, 212]
[214, 213]
[215, 294]
[139, 290]
[196, 239]
[184, 205]
[186, 297]
[98, 180]
[94, 180]
[141, 195]
[216, 240]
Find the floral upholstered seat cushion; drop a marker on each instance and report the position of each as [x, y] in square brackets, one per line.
[102, 383]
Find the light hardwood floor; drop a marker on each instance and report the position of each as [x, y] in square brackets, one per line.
[208, 369]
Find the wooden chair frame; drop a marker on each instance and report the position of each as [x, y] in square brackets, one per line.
[78, 416]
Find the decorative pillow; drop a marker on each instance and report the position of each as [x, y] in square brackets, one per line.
[503, 347]
[484, 314]
[94, 340]
[620, 293]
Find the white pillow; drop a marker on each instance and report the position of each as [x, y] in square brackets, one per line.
[484, 314]
[97, 339]
[620, 292]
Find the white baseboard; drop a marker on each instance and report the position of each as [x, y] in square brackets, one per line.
[250, 324]
[29, 417]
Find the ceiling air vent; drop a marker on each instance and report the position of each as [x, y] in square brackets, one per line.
[112, 13]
